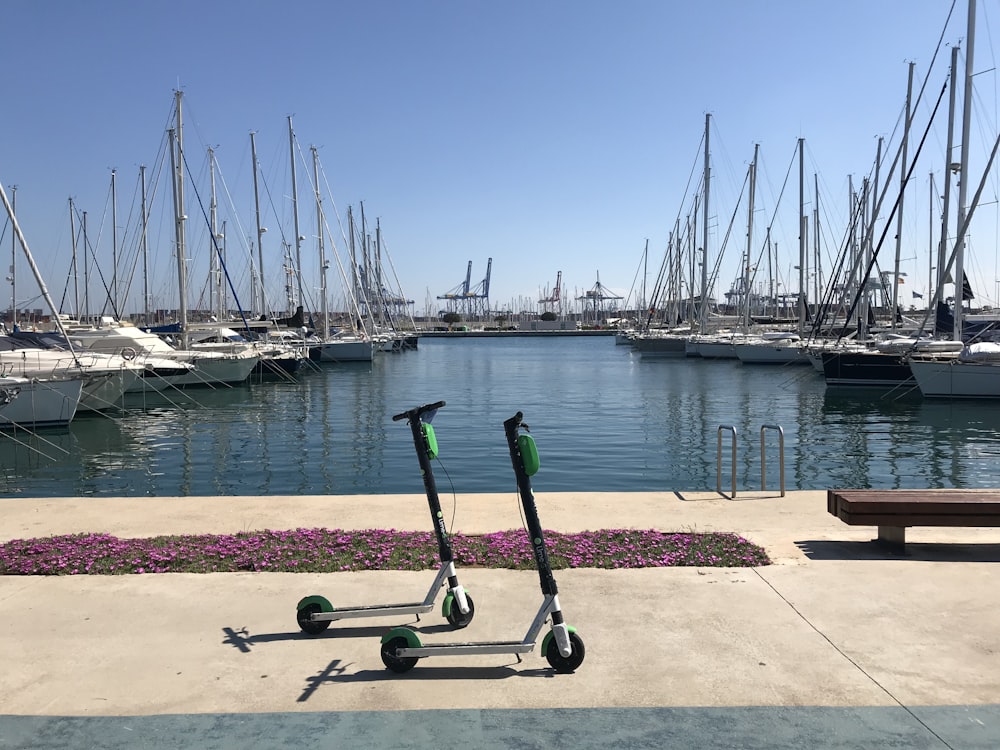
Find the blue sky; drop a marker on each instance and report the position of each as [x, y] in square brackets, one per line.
[548, 136]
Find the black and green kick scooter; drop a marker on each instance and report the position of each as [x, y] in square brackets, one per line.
[562, 647]
[315, 613]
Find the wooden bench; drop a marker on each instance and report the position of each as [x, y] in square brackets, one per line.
[892, 511]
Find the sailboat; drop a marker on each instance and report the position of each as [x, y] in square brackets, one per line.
[782, 347]
[975, 372]
[672, 342]
[36, 402]
[722, 344]
[322, 345]
[197, 367]
[884, 361]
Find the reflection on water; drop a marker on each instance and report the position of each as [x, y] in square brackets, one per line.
[604, 420]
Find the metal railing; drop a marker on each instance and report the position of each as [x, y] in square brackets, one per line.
[718, 469]
[763, 457]
[781, 456]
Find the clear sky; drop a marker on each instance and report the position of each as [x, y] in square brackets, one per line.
[549, 135]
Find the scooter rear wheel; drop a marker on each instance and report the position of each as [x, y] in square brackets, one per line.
[569, 663]
[308, 625]
[397, 664]
[455, 617]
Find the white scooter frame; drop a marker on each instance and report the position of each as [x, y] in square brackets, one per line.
[315, 613]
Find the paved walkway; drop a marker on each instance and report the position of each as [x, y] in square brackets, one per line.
[837, 644]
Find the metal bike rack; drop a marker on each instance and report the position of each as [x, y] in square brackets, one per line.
[763, 457]
[781, 456]
[718, 471]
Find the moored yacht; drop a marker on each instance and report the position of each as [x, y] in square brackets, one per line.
[105, 377]
[885, 364]
[204, 368]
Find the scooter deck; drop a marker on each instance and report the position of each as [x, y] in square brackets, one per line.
[481, 647]
[373, 610]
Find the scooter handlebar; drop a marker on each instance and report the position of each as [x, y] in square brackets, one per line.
[418, 411]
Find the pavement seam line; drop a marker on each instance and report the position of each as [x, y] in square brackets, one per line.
[855, 664]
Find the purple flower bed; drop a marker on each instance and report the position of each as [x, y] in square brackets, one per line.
[335, 550]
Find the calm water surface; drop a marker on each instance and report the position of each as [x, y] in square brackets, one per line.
[604, 419]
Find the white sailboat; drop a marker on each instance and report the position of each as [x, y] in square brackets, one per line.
[36, 402]
[322, 346]
[722, 344]
[169, 366]
[783, 347]
[975, 373]
[185, 367]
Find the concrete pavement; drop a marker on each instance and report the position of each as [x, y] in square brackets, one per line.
[837, 644]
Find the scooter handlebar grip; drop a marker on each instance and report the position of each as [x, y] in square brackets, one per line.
[418, 411]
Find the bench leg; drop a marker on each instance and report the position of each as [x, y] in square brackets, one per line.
[892, 536]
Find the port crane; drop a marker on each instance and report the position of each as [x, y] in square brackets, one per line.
[554, 299]
[594, 299]
[467, 300]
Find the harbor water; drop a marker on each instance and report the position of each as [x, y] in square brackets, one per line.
[604, 419]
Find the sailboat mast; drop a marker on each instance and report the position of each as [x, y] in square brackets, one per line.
[114, 242]
[692, 241]
[13, 261]
[963, 184]
[215, 267]
[366, 273]
[31, 264]
[323, 265]
[86, 268]
[802, 239]
[746, 266]
[177, 163]
[260, 231]
[676, 276]
[76, 279]
[642, 306]
[295, 215]
[379, 285]
[145, 247]
[902, 192]
[818, 264]
[703, 313]
[946, 197]
[354, 257]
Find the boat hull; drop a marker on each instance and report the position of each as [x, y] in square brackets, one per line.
[867, 369]
[957, 379]
[661, 346]
[196, 371]
[38, 403]
[342, 351]
[106, 390]
[771, 354]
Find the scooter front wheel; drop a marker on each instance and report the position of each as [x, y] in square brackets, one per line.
[308, 625]
[564, 664]
[398, 664]
[455, 617]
